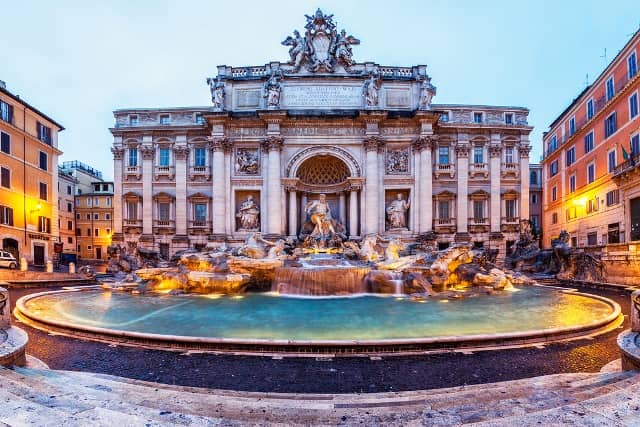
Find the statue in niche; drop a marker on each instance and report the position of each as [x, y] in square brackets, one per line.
[248, 214]
[298, 51]
[398, 161]
[247, 162]
[217, 92]
[320, 215]
[397, 213]
[370, 90]
[343, 51]
[427, 92]
[272, 89]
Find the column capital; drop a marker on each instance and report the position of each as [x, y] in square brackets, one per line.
[424, 142]
[147, 152]
[181, 152]
[495, 150]
[118, 153]
[290, 184]
[373, 143]
[355, 184]
[220, 144]
[272, 143]
[462, 150]
[524, 151]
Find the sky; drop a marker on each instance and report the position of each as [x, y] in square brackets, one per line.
[77, 61]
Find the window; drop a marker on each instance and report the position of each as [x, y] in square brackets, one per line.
[44, 133]
[572, 126]
[443, 209]
[553, 168]
[6, 112]
[554, 218]
[107, 216]
[105, 187]
[5, 177]
[443, 155]
[163, 211]
[571, 156]
[591, 172]
[96, 216]
[200, 212]
[96, 201]
[590, 109]
[635, 145]
[478, 211]
[89, 217]
[96, 187]
[133, 157]
[164, 157]
[444, 117]
[44, 192]
[508, 155]
[77, 203]
[69, 225]
[68, 189]
[610, 125]
[510, 208]
[553, 143]
[613, 197]
[70, 240]
[77, 216]
[164, 119]
[533, 177]
[571, 213]
[199, 118]
[535, 221]
[477, 117]
[588, 142]
[610, 88]
[89, 246]
[534, 199]
[132, 210]
[107, 231]
[572, 183]
[95, 232]
[44, 161]
[632, 65]
[88, 232]
[592, 205]
[5, 143]
[554, 193]
[633, 105]
[611, 160]
[6, 215]
[69, 207]
[108, 201]
[592, 238]
[613, 233]
[508, 118]
[200, 156]
[133, 120]
[44, 224]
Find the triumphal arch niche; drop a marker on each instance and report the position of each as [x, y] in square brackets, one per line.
[363, 137]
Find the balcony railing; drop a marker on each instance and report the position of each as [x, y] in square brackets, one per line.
[627, 165]
[200, 224]
[445, 168]
[510, 220]
[199, 171]
[478, 221]
[167, 171]
[445, 221]
[133, 171]
[510, 169]
[164, 223]
[479, 169]
[133, 222]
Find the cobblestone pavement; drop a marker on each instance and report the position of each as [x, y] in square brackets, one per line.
[339, 375]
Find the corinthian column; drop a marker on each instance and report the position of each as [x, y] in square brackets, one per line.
[416, 202]
[372, 189]
[495, 154]
[426, 185]
[118, 156]
[219, 199]
[181, 154]
[462, 157]
[524, 180]
[147, 152]
[273, 145]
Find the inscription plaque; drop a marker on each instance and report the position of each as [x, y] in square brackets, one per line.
[248, 98]
[323, 96]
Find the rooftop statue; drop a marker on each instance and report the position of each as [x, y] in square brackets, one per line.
[427, 92]
[217, 92]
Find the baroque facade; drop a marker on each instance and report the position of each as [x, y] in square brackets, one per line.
[389, 161]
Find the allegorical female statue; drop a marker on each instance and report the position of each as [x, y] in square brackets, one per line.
[248, 214]
[397, 212]
[272, 90]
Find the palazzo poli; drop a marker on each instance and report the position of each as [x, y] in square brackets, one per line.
[366, 136]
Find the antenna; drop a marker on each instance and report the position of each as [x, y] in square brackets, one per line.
[604, 55]
[586, 79]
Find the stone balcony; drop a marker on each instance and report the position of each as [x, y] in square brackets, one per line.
[199, 227]
[444, 225]
[510, 170]
[162, 226]
[133, 172]
[200, 173]
[164, 172]
[447, 170]
[510, 224]
[479, 170]
[478, 225]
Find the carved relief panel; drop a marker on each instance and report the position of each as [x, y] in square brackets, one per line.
[397, 161]
[247, 161]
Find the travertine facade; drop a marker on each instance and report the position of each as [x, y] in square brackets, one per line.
[280, 134]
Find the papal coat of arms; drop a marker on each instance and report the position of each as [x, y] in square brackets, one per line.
[321, 47]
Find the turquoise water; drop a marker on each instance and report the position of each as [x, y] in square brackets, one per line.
[266, 316]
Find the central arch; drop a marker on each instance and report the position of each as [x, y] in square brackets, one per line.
[309, 153]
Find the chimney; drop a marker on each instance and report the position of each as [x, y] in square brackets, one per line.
[3, 85]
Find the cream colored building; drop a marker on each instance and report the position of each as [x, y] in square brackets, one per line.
[67, 184]
[285, 132]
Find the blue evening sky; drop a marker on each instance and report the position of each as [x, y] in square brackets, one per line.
[79, 60]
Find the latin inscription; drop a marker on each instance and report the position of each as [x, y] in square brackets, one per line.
[322, 96]
[248, 98]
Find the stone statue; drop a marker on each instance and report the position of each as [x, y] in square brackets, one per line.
[247, 162]
[217, 92]
[255, 246]
[272, 90]
[370, 90]
[427, 92]
[249, 213]
[277, 250]
[343, 51]
[320, 215]
[298, 51]
[396, 213]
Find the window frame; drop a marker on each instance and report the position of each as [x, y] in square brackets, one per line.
[590, 109]
[569, 160]
[610, 89]
[572, 183]
[591, 176]
[610, 124]
[2, 169]
[632, 70]
[43, 156]
[633, 107]
[610, 167]
[5, 141]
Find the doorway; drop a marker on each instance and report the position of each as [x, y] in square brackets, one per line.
[98, 252]
[38, 254]
[11, 246]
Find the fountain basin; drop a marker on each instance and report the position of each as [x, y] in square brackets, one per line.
[259, 323]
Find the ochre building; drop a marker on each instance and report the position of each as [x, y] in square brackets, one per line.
[276, 136]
